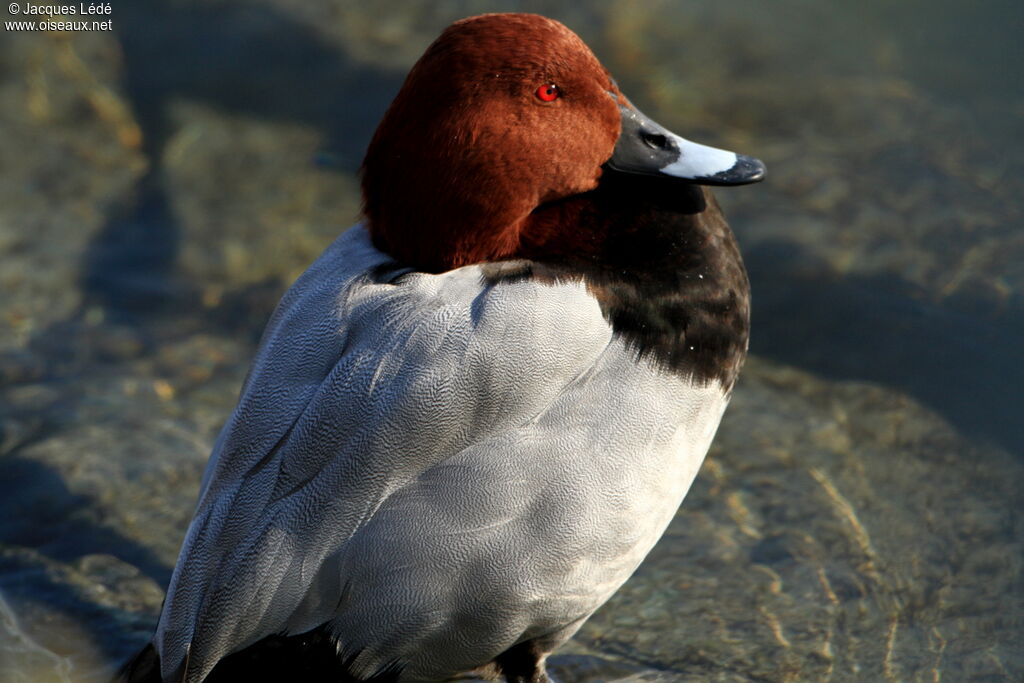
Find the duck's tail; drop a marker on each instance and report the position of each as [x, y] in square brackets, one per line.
[144, 667]
[311, 656]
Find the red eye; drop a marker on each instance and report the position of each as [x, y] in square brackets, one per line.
[548, 93]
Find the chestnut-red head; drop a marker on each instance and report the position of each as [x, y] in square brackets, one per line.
[502, 113]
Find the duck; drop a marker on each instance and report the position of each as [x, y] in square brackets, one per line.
[469, 421]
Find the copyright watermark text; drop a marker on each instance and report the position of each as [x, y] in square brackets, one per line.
[84, 16]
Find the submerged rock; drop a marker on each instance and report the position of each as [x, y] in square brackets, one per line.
[22, 660]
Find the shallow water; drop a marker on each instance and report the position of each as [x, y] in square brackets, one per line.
[859, 515]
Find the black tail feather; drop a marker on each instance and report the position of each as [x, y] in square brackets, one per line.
[144, 667]
[310, 657]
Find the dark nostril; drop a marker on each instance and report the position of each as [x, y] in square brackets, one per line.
[654, 140]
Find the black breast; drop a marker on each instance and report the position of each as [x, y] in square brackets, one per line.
[665, 268]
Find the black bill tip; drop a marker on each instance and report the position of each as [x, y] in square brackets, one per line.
[745, 171]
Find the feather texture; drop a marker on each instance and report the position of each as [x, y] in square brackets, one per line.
[418, 457]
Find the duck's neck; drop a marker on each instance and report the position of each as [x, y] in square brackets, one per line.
[658, 256]
[662, 262]
[436, 233]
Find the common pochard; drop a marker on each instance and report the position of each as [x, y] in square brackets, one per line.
[469, 421]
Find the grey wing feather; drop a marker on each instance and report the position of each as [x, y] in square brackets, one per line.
[357, 389]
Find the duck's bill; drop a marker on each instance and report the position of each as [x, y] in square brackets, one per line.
[646, 147]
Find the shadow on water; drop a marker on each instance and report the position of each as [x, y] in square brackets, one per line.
[37, 510]
[235, 57]
[873, 328]
[23, 582]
